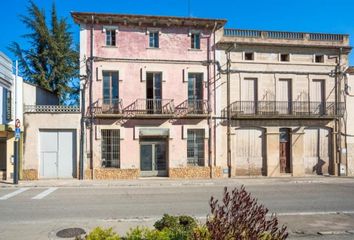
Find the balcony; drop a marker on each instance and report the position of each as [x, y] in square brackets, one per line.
[108, 106]
[284, 109]
[193, 108]
[150, 108]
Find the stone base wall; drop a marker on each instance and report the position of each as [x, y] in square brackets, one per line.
[194, 172]
[112, 174]
[29, 174]
[248, 172]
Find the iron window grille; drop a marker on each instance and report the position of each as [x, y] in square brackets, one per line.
[8, 105]
[154, 39]
[195, 147]
[110, 37]
[195, 40]
[110, 148]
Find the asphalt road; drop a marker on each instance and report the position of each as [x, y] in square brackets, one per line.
[38, 212]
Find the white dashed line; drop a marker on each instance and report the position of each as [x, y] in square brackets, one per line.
[7, 196]
[45, 193]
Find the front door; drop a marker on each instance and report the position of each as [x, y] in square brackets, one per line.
[284, 150]
[249, 96]
[284, 96]
[153, 157]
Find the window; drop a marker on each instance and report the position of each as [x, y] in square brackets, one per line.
[195, 92]
[110, 37]
[285, 57]
[319, 58]
[154, 39]
[110, 148]
[195, 147]
[8, 105]
[249, 56]
[110, 87]
[195, 40]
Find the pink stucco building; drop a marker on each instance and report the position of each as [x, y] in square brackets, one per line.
[149, 91]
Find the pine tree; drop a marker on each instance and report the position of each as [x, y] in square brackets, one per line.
[52, 61]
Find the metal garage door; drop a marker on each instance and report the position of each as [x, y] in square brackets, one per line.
[57, 156]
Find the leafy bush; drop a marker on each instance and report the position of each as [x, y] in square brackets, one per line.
[140, 233]
[201, 233]
[101, 234]
[179, 227]
[240, 217]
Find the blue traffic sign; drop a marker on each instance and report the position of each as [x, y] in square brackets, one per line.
[17, 133]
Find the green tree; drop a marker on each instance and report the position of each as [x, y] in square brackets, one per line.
[52, 61]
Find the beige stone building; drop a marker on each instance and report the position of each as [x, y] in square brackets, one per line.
[349, 118]
[284, 107]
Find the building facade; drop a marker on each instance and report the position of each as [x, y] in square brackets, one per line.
[282, 95]
[186, 98]
[148, 95]
[51, 141]
[349, 119]
[10, 85]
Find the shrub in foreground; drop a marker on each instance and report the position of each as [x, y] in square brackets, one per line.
[240, 217]
[101, 234]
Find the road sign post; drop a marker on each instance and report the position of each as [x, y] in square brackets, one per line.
[16, 148]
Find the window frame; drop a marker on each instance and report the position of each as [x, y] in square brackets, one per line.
[253, 56]
[111, 89]
[8, 109]
[195, 44]
[198, 148]
[107, 148]
[109, 39]
[156, 39]
[319, 55]
[286, 54]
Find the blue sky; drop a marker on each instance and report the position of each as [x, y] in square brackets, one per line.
[329, 16]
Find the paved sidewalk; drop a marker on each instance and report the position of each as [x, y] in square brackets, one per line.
[154, 182]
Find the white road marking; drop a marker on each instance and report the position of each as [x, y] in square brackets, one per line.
[7, 196]
[45, 193]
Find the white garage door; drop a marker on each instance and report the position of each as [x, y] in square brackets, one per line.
[247, 148]
[316, 150]
[57, 156]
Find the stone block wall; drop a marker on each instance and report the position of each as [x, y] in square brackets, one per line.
[112, 174]
[194, 172]
[29, 174]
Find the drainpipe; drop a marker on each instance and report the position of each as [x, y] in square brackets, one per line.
[228, 71]
[90, 96]
[82, 133]
[210, 108]
[214, 81]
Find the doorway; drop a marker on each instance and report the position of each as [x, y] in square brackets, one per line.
[284, 150]
[153, 157]
[154, 92]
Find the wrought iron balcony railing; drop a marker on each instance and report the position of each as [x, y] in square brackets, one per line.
[193, 107]
[285, 108]
[108, 106]
[151, 106]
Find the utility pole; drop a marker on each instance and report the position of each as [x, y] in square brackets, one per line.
[228, 65]
[228, 72]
